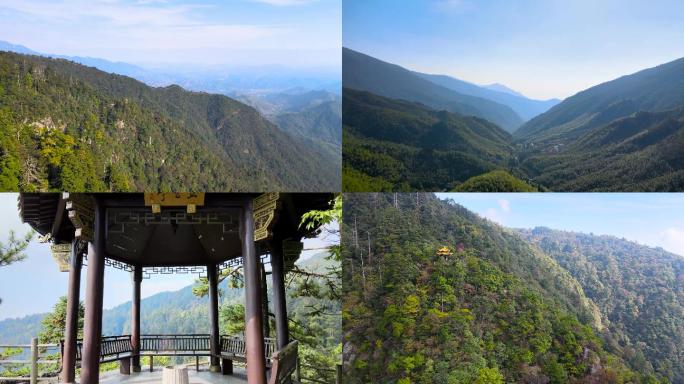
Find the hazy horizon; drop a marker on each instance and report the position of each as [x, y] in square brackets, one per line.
[297, 34]
[542, 49]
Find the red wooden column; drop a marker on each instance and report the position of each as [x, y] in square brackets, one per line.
[264, 302]
[71, 324]
[135, 317]
[212, 277]
[279, 302]
[254, 337]
[92, 330]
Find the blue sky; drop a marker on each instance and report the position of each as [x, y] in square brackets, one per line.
[35, 284]
[542, 48]
[293, 33]
[653, 219]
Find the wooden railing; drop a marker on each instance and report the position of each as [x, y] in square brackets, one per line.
[113, 347]
[196, 343]
[285, 363]
[235, 345]
[37, 350]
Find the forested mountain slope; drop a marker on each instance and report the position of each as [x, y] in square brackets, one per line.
[639, 290]
[496, 181]
[642, 152]
[403, 145]
[165, 312]
[70, 127]
[496, 310]
[521, 105]
[365, 73]
[622, 135]
[656, 89]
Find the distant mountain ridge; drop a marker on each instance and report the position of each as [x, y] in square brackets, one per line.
[524, 107]
[177, 311]
[502, 88]
[312, 115]
[365, 73]
[212, 80]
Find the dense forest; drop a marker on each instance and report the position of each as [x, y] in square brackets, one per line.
[639, 291]
[436, 294]
[69, 127]
[398, 145]
[623, 135]
[496, 181]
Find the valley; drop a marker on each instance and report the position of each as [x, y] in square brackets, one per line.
[622, 135]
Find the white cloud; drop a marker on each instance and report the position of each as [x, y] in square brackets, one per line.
[498, 213]
[494, 215]
[673, 240]
[159, 31]
[112, 11]
[505, 205]
[452, 5]
[285, 3]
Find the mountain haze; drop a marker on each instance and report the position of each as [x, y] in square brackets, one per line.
[524, 107]
[502, 88]
[365, 73]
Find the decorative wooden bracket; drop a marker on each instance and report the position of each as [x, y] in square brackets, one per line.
[81, 209]
[174, 199]
[62, 254]
[264, 211]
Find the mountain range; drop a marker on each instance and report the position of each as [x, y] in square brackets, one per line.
[365, 73]
[67, 126]
[525, 108]
[169, 312]
[310, 114]
[212, 79]
[623, 135]
[502, 304]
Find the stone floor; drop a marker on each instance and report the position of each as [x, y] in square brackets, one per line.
[239, 376]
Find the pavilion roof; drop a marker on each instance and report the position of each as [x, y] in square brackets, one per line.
[174, 237]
